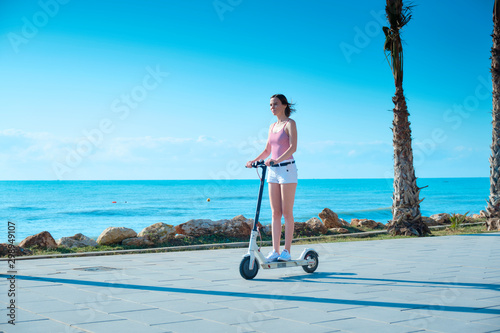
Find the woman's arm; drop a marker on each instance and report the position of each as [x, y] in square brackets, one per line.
[262, 155]
[291, 130]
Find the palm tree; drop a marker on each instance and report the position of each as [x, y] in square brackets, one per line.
[493, 207]
[406, 218]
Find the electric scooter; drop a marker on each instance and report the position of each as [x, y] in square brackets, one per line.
[249, 266]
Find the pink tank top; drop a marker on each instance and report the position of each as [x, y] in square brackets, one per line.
[280, 142]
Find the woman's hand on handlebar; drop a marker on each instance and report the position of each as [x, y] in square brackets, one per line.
[249, 164]
[270, 162]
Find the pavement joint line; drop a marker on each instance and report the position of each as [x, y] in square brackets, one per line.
[32, 320]
[279, 309]
[205, 310]
[402, 321]
[99, 321]
[176, 322]
[328, 321]
[210, 246]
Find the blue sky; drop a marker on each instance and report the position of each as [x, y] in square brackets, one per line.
[180, 89]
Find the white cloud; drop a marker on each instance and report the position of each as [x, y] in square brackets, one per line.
[462, 149]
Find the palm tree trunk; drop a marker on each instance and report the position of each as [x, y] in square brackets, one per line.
[493, 207]
[406, 217]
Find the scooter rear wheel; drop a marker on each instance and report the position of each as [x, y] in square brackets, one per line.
[245, 271]
[314, 256]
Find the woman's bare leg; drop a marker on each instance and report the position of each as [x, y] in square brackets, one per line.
[287, 200]
[275, 199]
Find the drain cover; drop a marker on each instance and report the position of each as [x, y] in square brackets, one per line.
[96, 269]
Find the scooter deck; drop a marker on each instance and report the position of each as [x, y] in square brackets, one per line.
[284, 264]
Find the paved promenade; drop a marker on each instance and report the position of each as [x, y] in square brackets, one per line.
[434, 284]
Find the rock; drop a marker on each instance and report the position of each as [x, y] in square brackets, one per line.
[77, 240]
[243, 219]
[364, 223]
[442, 218]
[493, 224]
[299, 229]
[181, 236]
[115, 235]
[316, 226]
[330, 219]
[42, 240]
[344, 222]
[158, 233]
[339, 230]
[137, 242]
[430, 221]
[369, 224]
[238, 227]
[198, 227]
[267, 230]
[6, 249]
[308, 228]
[476, 216]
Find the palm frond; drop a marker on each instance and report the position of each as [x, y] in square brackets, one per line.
[398, 16]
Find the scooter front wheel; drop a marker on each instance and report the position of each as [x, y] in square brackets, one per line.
[312, 267]
[245, 270]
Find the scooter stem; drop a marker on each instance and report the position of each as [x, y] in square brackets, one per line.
[259, 200]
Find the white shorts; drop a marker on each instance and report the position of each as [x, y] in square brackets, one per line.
[282, 174]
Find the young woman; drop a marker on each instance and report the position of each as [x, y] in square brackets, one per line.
[282, 175]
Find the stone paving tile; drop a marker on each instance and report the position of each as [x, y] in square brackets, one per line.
[493, 321]
[116, 306]
[232, 316]
[385, 315]
[122, 326]
[21, 316]
[145, 297]
[364, 325]
[25, 295]
[255, 305]
[306, 316]
[64, 293]
[155, 316]
[49, 306]
[185, 306]
[197, 325]
[290, 326]
[75, 317]
[40, 326]
[440, 324]
[469, 316]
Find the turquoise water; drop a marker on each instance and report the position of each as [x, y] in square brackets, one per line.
[65, 208]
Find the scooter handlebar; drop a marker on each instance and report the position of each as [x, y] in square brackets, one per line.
[260, 163]
[257, 163]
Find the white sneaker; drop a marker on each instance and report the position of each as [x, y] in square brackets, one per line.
[285, 256]
[272, 256]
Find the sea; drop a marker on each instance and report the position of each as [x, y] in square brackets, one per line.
[65, 208]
